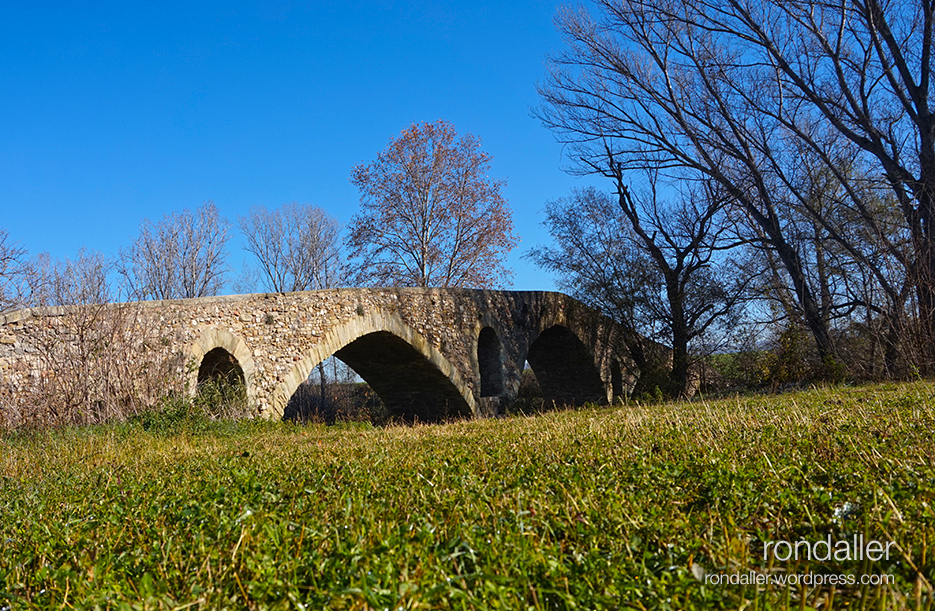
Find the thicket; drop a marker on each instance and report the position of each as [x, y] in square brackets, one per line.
[336, 402]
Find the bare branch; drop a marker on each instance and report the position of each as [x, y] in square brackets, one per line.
[430, 215]
[182, 256]
[297, 247]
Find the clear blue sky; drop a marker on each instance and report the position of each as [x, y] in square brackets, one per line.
[116, 113]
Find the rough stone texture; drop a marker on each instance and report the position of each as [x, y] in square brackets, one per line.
[418, 348]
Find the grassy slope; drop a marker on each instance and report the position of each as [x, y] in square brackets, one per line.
[586, 509]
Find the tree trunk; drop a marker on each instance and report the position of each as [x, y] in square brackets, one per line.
[815, 319]
[925, 275]
[678, 375]
[892, 361]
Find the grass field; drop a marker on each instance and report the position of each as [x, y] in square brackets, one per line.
[643, 507]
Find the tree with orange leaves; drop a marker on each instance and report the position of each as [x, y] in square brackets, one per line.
[430, 214]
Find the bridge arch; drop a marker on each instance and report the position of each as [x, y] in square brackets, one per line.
[413, 379]
[218, 351]
[565, 368]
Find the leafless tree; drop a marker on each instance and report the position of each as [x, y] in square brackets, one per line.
[79, 281]
[747, 92]
[42, 281]
[652, 263]
[297, 247]
[341, 397]
[11, 261]
[430, 214]
[180, 257]
[860, 283]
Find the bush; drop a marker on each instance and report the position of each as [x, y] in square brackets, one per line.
[215, 400]
[529, 397]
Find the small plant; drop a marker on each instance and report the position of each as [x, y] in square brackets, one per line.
[173, 415]
[217, 399]
[529, 397]
[656, 397]
[223, 399]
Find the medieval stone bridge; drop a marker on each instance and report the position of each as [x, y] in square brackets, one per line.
[429, 354]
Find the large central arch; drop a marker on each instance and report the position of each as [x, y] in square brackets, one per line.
[412, 378]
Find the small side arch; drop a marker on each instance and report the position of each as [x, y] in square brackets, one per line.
[222, 351]
[490, 363]
[565, 368]
[413, 379]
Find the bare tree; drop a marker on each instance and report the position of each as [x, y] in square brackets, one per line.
[298, 249]
[430, 215]
[42, 281]
[79, 281]
[180, 257]
[744, 92]
[856, 268]
[651, 263]
[11, 261]
[296, 246]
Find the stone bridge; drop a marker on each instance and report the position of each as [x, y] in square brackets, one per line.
[430, 354]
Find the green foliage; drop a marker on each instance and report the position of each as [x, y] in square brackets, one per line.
[792, 362]
[789, 362]
[529, 397]
[222, 399]
[173, 415]
[585, 509]
[214, 400]
[737, 370]
[651, 398]
[649, 385]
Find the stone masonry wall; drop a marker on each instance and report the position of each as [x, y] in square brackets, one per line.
[278, 338]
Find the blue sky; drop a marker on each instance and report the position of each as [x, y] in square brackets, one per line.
[115, 113]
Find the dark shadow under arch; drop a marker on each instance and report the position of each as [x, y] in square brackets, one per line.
[410, 386]
[412, 378]
[616, 379]
[490, 363]
[219, 365]
[565, 368]
[222, 390]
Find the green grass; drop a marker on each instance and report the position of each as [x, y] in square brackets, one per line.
[587, 509]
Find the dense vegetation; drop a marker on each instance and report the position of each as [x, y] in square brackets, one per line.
[594, 508]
